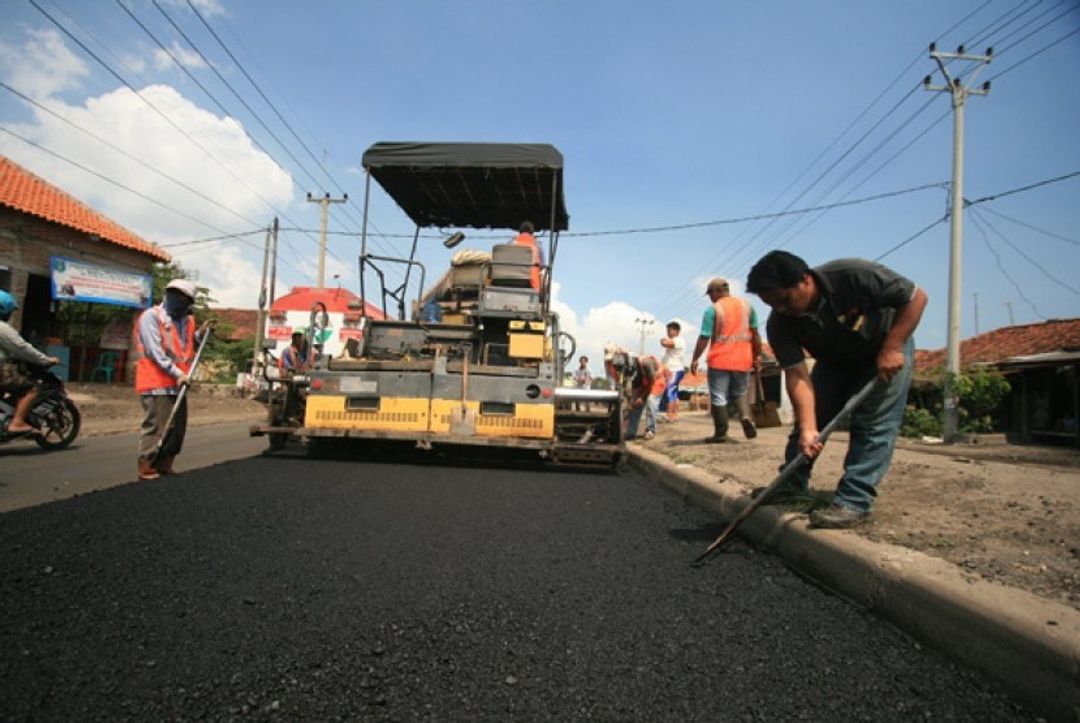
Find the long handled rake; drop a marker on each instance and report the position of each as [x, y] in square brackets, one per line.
[179, 399]
[787, 470]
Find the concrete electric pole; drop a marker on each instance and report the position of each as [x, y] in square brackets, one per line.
[324, 218]
[645, 324]
[260, 315]
[959, 92]
[273, 262]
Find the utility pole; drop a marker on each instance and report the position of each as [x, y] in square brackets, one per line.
[645, 323]
[324, 218]
[1008, 305]
[273, 263]
[976, 313]
[959, 92]
[260, 316]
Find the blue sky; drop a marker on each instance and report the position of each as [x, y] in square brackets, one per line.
[666, 114]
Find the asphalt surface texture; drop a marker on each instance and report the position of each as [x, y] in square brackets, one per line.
[283, 588]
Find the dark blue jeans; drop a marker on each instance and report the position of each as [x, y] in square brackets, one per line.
[873, 427]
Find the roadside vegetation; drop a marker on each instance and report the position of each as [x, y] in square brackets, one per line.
[980, 393]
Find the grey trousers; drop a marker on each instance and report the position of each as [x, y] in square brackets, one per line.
[156, 410]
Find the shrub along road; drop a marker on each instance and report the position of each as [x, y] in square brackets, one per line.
[287, 588]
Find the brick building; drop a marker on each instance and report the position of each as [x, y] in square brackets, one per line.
[61, 259]
[1041, 362]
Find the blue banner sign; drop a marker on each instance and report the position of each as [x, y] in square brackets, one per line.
[75, 280]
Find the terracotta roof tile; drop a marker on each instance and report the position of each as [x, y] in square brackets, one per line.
[240, 321]
[23, 191]
[1009, 341]
[302, 298]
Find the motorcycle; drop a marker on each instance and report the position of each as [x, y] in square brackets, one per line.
[54, 413]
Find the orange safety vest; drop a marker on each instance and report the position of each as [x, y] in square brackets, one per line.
[148, 375]
[527, 239]
[730, 349]
[659, 384]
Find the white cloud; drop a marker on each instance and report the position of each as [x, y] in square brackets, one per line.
[126, 121]
[129, 123]
[188, 58]
[210, 8]
[614, 322]
[43, 66]
[232, 279]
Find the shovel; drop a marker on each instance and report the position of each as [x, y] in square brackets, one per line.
[179, 399]
[787, 470]
[463, 419]
[764, 411]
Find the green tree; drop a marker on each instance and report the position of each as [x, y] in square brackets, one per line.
[979, 392]
[233, 352]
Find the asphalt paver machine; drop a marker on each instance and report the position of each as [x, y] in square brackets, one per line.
[475, 357]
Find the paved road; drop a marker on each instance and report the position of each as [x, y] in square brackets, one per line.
[30, 476]
[286, 589]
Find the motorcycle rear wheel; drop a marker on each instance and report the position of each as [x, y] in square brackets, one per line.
[59, 425]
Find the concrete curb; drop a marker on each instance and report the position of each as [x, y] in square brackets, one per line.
[1030, 646]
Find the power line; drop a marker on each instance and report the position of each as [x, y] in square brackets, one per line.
[1035, 54]
[774, 239]
[128, 85]
[224, 81]
[1049, 22]
[105, 178]
[388, 247]
[756, 217]
[870, 175]
[742, 255]
[1018, 222]
[1021, 252]
[151, 199]
[223, 237]
[228, 85]
[127, 155]
[1001, 267]
[1035, 19]
[183, 68]
[1022, 189]
[912, 237]
[157, 110]
[1000, 23]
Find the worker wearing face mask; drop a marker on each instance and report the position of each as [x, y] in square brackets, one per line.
[165, 342]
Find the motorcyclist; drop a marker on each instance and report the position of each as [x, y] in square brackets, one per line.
[13, 350]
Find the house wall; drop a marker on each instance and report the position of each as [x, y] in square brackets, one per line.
[1044, 404]
[27, 243]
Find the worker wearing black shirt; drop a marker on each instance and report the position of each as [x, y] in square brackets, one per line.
[856, 318]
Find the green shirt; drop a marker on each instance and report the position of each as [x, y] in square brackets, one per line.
[708, 321]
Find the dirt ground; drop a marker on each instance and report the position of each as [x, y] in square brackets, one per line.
[1009, 513]
[114, 408]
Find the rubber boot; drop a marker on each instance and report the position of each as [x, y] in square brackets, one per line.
[720, 425]
[146, 469]
[165, 464]
[746, 417]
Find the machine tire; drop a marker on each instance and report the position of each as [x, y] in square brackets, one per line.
[277, 441]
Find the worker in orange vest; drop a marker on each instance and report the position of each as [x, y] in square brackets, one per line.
[642, 380]
[164, 342]
[525, 237]
[729, 330]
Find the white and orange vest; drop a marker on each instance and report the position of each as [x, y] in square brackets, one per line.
[148, 375]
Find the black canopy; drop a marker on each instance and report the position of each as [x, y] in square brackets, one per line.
[478, 185]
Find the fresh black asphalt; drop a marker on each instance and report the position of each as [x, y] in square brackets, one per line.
[290, 589]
